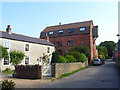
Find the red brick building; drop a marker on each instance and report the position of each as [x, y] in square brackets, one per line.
[71, 35]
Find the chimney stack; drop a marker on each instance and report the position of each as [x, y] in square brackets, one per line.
[8, 29]
[59, 23]
[47, 37]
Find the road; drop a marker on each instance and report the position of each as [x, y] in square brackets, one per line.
[103, 76]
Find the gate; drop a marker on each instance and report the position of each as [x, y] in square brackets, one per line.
[47, 70]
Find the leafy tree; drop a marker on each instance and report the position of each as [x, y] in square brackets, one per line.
[82, 49]
[16, 57]
[110, 45]
[55, 57]
[80, 57]
[70, 58]
[3, 53]
[102, 51]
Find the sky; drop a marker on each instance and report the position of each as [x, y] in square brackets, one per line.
[30, 18]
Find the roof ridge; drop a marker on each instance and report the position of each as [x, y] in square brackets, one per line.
[70, 23]
[24, 35]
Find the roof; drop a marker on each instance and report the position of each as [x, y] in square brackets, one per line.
[66, 26]
[24, 38]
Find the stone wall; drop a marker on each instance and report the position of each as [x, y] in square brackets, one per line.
[28, 72]
[61, 68]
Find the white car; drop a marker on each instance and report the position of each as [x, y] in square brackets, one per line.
[97, 62]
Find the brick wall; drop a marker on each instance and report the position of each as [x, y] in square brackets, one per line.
[79, 40]
[28, 72]
[61, 68]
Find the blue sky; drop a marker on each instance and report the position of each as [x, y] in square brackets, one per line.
[30, 18]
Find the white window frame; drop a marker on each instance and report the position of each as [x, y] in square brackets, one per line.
[40, 62]
[51, 33]
[60, 31]
[48, 49]
[29, 60]
[82, 28]
[25, 48]
[6, 44]
[3, 62]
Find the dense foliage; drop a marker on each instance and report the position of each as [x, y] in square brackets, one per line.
[80, 57]
[55, 57]
[102, 52]
[110, 45]
[16, 57]
[70, 58]
[8, 85]
[82, 49]
[62, 60]
[3, 52]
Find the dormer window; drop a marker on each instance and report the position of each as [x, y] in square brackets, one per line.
[60, 31]
[50, 33]
[82, 29]
[71, 30]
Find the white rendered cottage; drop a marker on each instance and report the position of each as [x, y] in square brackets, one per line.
[32, 47]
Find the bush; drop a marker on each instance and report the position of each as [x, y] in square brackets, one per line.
[63, 60]
[8, 85]
[55, 57]
[82, 49]
[70, 58]
[7, 69]
[80, 57]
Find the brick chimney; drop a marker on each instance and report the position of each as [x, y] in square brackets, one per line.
[47, 37]
[8, 29]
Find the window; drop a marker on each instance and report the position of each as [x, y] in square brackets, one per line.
[40, 61]
[6, 62]
[60, 31]
[27, 47]
[70, 43]
[48, 60]
[6, 44]
[71, 30]
[59, 44]
[50, 33]
[82, 29]
[26, 60]
[48, 50]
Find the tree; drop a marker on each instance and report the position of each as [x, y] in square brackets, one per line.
[82, 49]
[3, 53]
[102, 52]
[110, 45]
[55, 57]
[16, 57]
[70, 58]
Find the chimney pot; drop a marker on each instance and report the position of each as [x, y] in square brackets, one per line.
[8, 29]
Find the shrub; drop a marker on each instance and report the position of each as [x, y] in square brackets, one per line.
[63, 60]
[16, 57]
[70, 58]
[82, 49]
[80, 57]
[55, 57]
[8, 85]
[7, 69]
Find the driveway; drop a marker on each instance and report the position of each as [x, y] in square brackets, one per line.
[103, 76]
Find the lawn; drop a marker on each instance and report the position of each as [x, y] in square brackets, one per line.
[9, 72]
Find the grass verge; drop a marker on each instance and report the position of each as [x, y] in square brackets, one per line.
[68, 74]
[9, 72]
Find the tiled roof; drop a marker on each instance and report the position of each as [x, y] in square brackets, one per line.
[24, 38]
[66, 26]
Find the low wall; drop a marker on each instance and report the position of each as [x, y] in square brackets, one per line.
[28, 72]
[61, 68]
